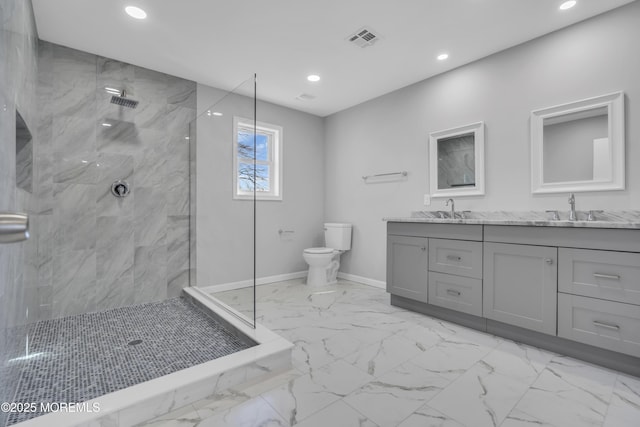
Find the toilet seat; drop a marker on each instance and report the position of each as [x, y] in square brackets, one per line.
[318, 251]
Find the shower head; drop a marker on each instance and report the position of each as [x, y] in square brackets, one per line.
[123, 101]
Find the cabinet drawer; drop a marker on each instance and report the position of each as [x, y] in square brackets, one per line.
[607, 275]
[459, 257]
[611, 325]
[455, 292]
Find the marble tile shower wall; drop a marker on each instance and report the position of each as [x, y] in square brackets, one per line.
[96, 251]
[18, 79]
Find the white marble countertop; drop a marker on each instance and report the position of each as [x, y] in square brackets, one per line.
[606, 219]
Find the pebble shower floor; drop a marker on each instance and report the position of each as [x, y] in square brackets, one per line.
[79, 358]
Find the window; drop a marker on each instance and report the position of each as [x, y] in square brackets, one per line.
[266, 147]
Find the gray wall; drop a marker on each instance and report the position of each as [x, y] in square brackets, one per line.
[390, 133]
[224, 226]
[95, 251]
[18, 79]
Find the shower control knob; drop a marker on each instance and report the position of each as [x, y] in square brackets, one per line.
[120, 188]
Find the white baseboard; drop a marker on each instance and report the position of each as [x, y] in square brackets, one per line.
[259, 281]
[364, 280]
[289, 276]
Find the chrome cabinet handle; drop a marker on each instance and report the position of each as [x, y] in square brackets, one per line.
[14, 227]
[453, 292]
[548, 260]
[606, 325]
[454, 258]
[606, 276]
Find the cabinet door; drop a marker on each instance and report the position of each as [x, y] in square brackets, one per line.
[407, 267]
[520, 285]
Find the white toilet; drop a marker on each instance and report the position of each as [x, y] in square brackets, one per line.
[325, 262]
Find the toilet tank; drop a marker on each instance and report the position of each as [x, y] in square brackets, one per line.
[337, 236]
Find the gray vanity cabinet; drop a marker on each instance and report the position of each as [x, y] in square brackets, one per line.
[520, 285]
[571, 290]
[407, 264]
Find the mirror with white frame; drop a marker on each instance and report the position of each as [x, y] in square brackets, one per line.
[579, 146]
[456, 161]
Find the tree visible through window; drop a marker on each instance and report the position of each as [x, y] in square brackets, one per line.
[257, 160]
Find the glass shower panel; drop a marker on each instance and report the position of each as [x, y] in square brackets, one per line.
[224, 150]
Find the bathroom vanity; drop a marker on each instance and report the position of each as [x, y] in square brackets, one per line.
[572, 287]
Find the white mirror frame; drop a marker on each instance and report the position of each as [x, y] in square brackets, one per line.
[434, 137]
[614, 102]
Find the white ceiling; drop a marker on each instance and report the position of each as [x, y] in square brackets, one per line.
[223, 42]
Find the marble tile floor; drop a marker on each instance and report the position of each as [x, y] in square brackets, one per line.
[358, 361]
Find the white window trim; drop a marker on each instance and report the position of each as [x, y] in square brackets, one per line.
[276, 160]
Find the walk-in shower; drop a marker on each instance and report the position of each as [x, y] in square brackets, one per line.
[99, 299]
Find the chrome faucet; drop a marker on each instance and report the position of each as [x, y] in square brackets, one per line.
[572, 212]
[453, 209]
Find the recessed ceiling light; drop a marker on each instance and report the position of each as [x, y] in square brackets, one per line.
[107, 125]
[135, 12]
[443, 56]
[112, 90]
[568, 4]
[313, 78]
[217, 113]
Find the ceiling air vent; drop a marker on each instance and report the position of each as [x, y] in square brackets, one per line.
[305, 97]
[364, 37]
